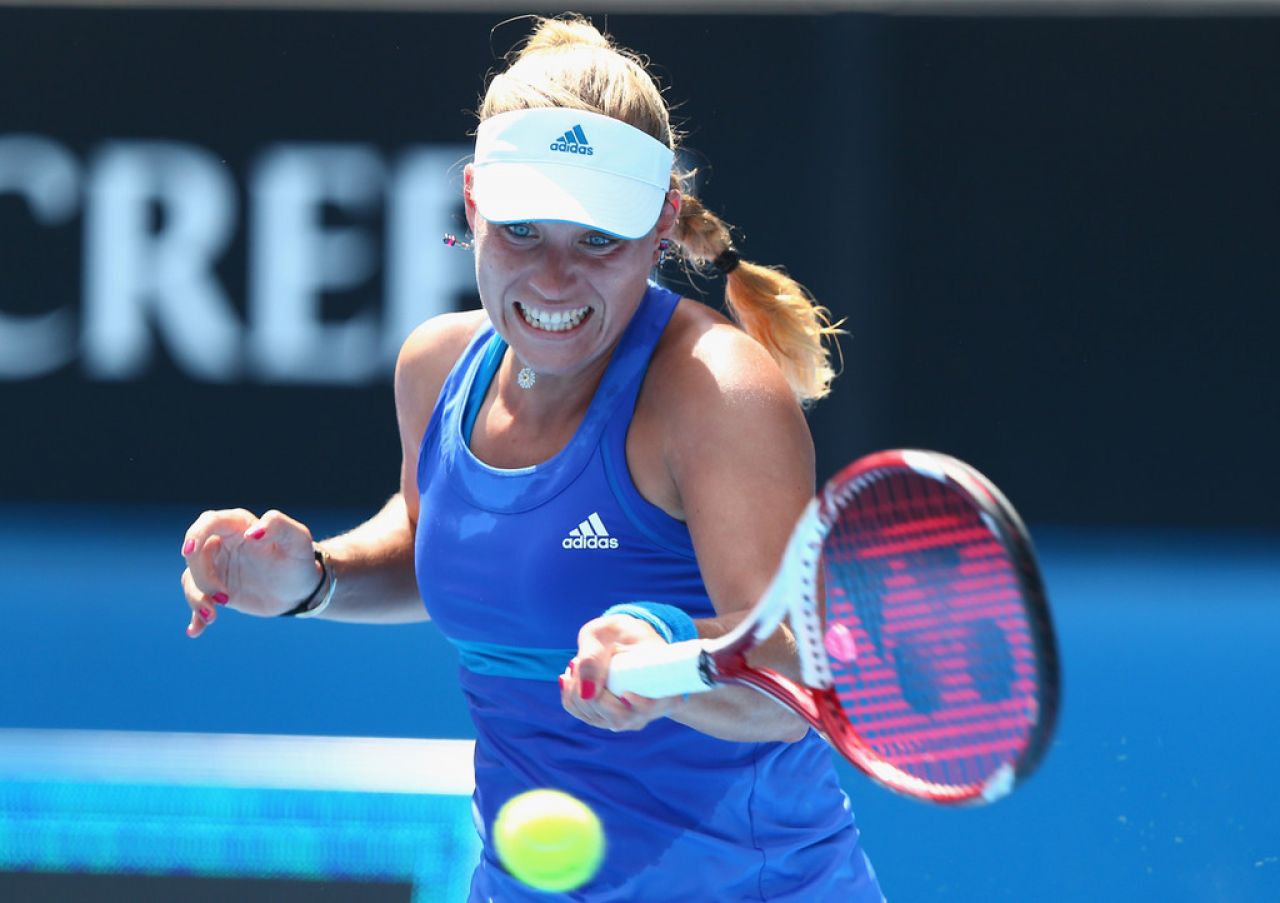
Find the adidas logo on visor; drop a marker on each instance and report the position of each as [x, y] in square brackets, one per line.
[573, 141]
[590, 534]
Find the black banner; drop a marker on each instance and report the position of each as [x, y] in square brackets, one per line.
[1053, 241]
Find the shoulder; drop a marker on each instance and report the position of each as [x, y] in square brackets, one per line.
[425, 359]
[736, 453]
[717, 408]
[432, 348]
[443, 336]
[704, 365]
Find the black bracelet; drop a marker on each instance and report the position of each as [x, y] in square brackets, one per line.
[306, 603]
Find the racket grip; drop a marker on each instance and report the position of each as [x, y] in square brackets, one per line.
[657, 671]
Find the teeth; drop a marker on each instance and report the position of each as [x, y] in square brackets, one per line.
[552, 321]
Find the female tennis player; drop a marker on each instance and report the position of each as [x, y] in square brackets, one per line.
[592, 463]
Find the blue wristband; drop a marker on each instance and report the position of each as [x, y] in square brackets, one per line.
[673, 624]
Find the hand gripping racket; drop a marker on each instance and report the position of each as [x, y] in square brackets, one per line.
[935, 669]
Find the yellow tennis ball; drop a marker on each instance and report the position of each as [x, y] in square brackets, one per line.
[549, 840]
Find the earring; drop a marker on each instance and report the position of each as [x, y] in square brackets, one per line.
[451, 241]
[663, 247]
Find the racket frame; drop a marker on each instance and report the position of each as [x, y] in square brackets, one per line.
[699, 665]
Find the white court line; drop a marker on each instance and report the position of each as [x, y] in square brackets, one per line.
[378, 765]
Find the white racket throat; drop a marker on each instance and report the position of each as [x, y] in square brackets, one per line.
[796, 583]
[689, 666]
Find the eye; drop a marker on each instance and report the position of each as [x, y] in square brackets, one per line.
[519, 230]
[600, 240]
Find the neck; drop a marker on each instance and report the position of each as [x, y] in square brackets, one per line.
[552, 398]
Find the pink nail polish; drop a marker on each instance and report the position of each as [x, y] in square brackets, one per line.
[188, 547]
[206, 613]
[570, 666]
[588, 689]
[221, 598]
[258, 533]
[561, 683]
[626, 702]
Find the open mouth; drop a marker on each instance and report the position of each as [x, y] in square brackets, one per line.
[561, 320]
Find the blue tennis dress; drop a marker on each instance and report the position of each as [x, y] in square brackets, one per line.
[511, 563]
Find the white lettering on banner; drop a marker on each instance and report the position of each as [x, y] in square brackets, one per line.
[424, 277]
[294, 258]
[47, 177]
[160, 215]
[135, 274]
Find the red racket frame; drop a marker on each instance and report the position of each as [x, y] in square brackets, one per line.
[821, 707]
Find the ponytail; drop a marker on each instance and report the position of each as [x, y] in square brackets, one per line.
[769, 305]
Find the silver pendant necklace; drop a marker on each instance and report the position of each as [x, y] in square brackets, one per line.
[526, 378]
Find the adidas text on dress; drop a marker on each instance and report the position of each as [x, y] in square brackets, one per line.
[590, 534]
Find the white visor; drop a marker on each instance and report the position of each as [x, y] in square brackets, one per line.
[570, 166]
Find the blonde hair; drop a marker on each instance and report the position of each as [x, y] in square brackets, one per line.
[567, 62]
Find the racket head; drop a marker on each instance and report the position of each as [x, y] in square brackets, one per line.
[945, 674]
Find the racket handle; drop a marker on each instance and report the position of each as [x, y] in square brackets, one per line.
[657, 671]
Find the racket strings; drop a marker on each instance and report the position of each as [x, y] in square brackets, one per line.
[943, 686]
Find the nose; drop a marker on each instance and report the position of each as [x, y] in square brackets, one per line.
[553, 273]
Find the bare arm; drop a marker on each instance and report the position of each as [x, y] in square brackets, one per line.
[374, 567]
[375, 562]
[740, 464]
[266, 565]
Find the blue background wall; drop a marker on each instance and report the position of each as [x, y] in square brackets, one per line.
[1159, 787]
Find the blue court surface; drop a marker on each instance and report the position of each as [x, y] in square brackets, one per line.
[1162, 785]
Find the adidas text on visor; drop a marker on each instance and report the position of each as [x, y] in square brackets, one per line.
[570, 166]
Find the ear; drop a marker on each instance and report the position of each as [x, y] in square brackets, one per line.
[667, 220]
[468, 202]
[670, 214]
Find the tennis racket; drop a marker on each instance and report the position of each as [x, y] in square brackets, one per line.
[933, 667]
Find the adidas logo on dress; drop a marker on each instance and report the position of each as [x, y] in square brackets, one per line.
[573, 141]
[590, 534]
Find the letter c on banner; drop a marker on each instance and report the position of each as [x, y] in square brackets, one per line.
[47, 177]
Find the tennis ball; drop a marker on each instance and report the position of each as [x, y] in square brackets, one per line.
[549, 840]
